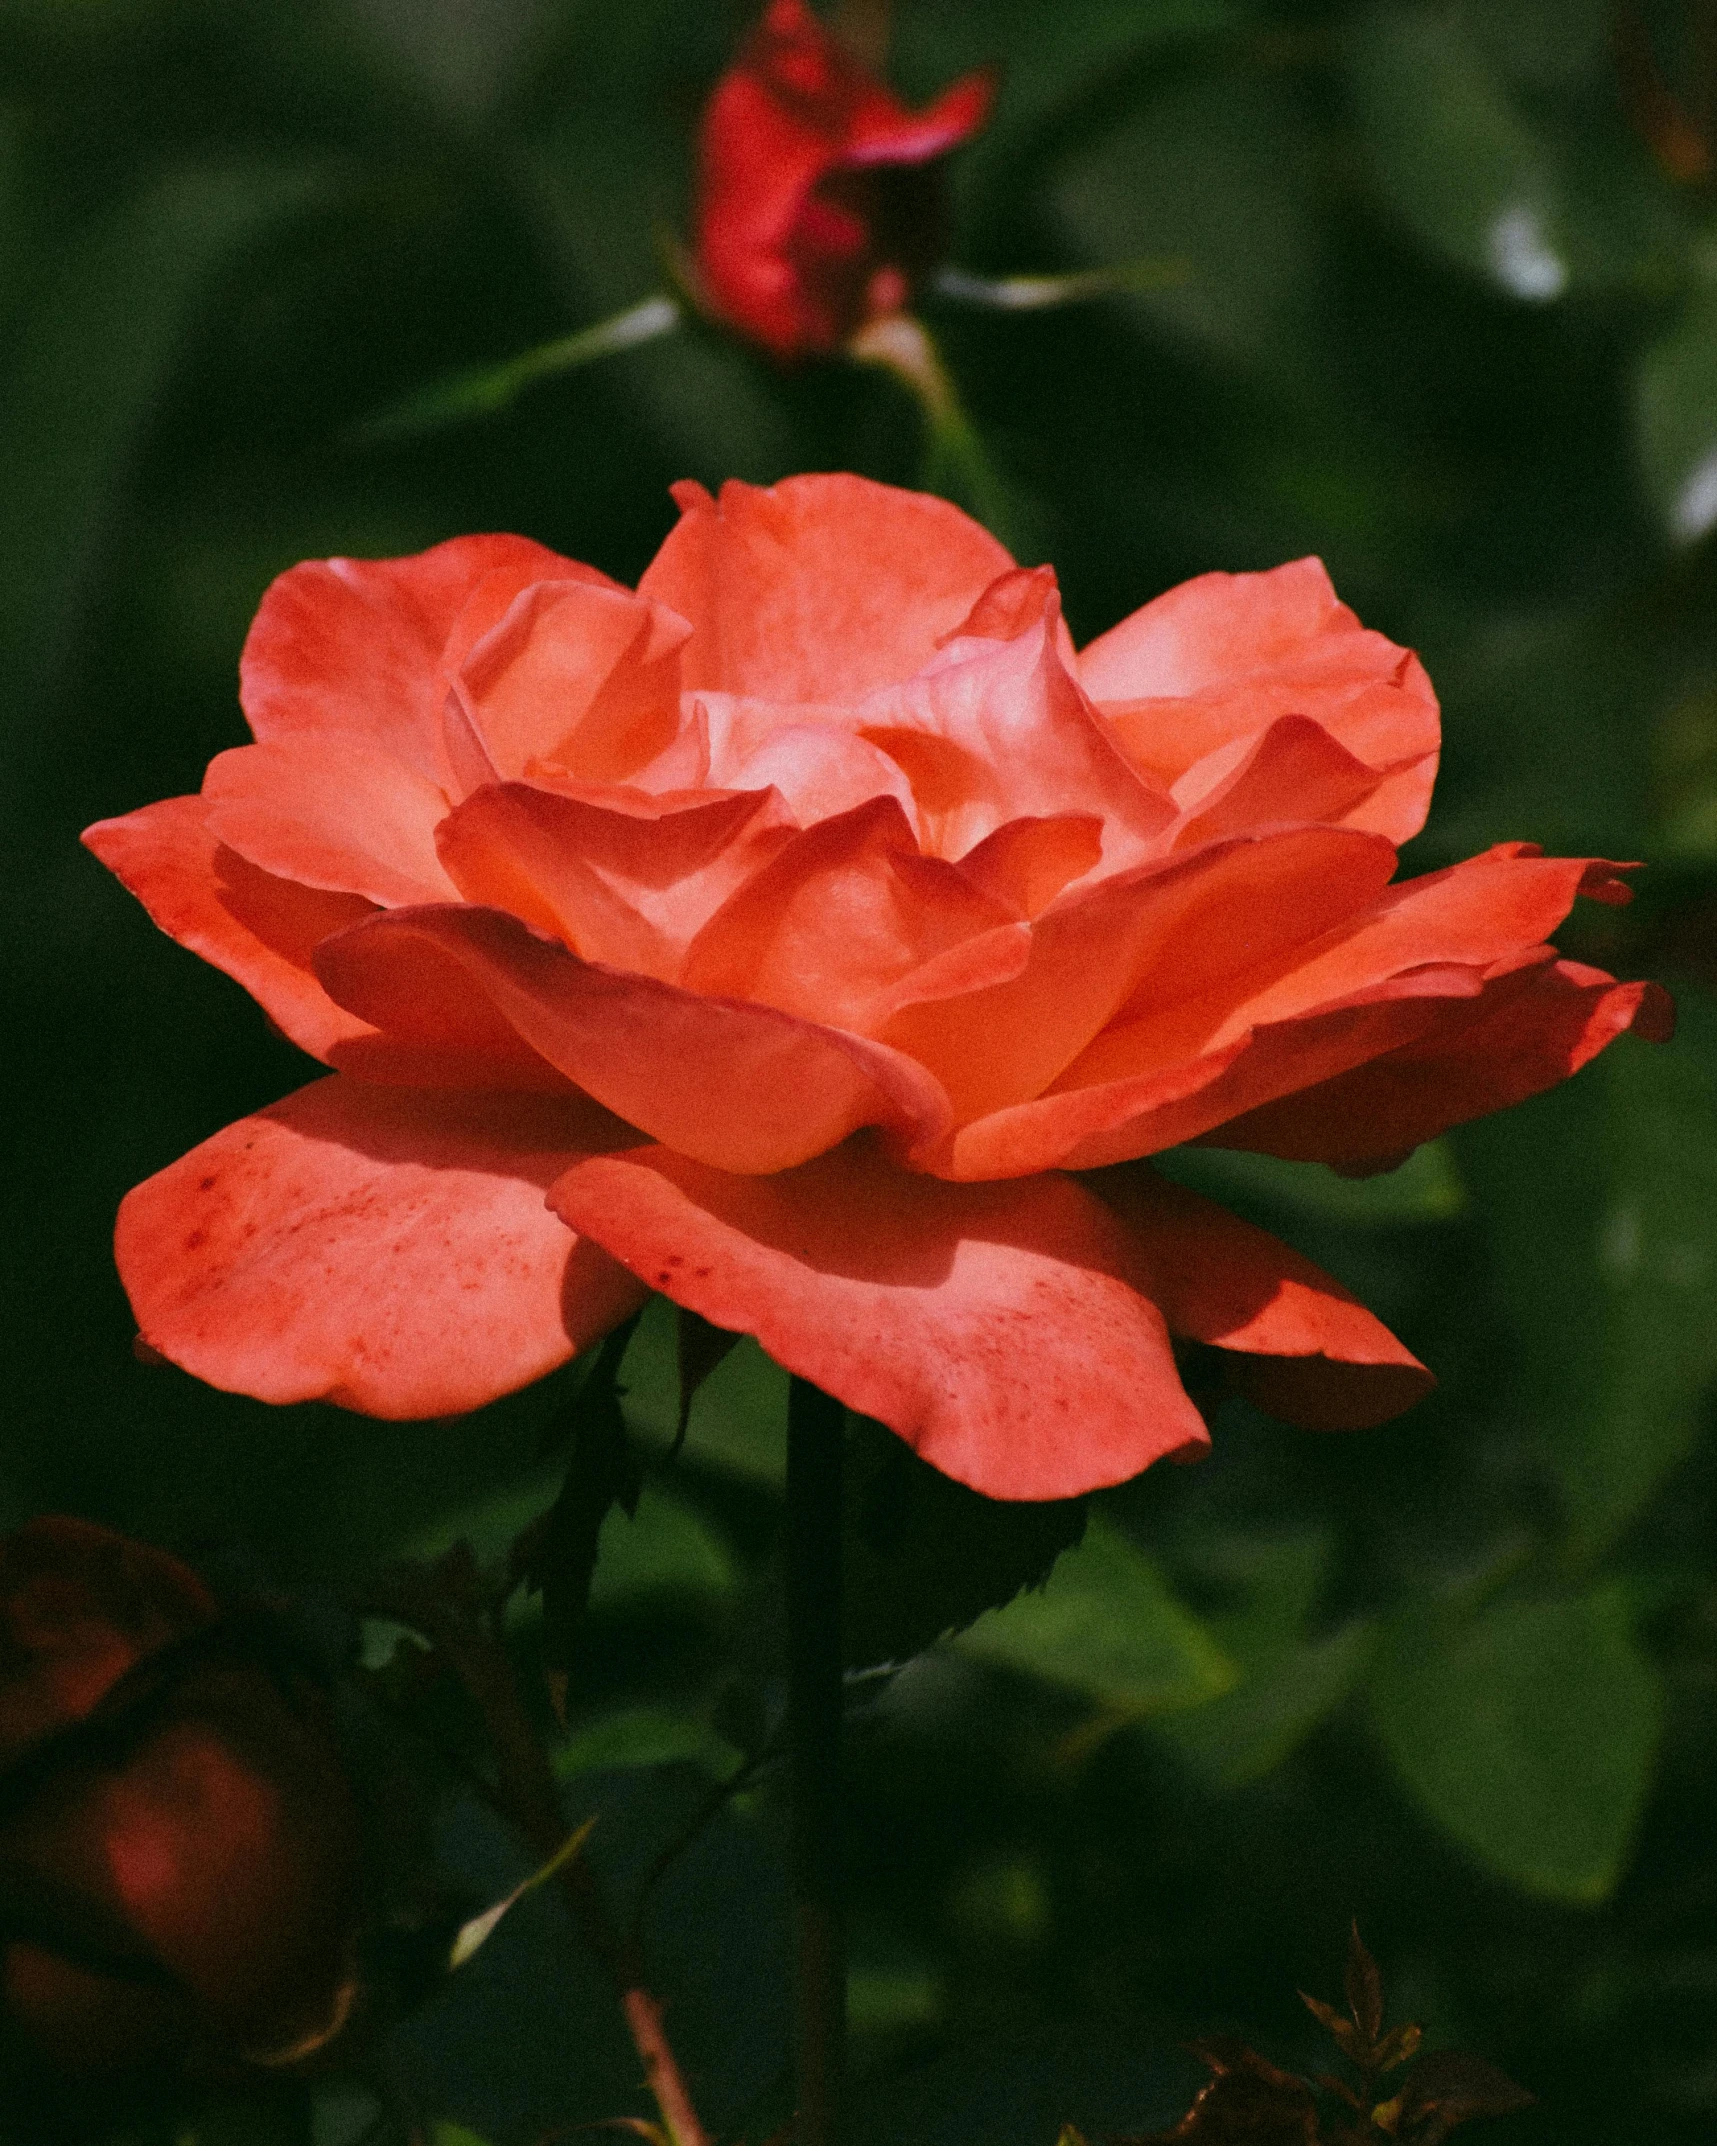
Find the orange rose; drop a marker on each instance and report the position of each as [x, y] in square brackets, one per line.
[179, 1862]
[829, 944]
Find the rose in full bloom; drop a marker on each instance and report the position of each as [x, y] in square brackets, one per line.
[819, 195]
[815, 937]
[179, 1847]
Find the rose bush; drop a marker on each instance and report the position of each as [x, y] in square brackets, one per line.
[823, 942]
[180, 1871]
[819, 196]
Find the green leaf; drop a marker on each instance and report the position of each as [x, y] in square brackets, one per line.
[1259, 1587]
[1601, 1203]
[75, 400]
[738, 1422]
[1106, 1625]
[1675, 419]
[924, 1555]
[666, 1549]
[1542, 45]
[1529, 1733]
[556, 1555]
[1050, 58]
[466, 57]
[1543, 734]
[1286, 1693]
[956, 461]
[645, 1736]
[1426, 1188]
[1479, 184]
[1214, 170]
[607, 175]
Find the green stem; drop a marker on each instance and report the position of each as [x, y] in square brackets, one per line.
[815, 1436]
[1038, 294]
[956, 463]
[482, 390]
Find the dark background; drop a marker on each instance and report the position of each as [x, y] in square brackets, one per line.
[1448, 319]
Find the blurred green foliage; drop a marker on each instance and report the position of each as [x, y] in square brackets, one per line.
[1450, 319]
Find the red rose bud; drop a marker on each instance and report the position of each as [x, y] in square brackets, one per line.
[180, 1872]
[820, 197]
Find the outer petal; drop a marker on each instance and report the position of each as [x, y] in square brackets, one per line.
[1309, 1352]
[882, 131]
[820, 588]
[331, 812]
[388, 1250]
[1158, 934]
[997, 1328]
[741, 1087]
[1221, 657]
[1496, 908]
[1083, 1127]
[356, 644]
[255, 928]
[1530, 1029]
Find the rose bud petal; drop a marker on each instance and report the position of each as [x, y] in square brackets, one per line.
[816, 937]
[821, 201]
[180, 1865]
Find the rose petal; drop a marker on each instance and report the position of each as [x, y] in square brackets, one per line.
[492, 596]
[1157, 933]
[356, 644]
[435, 1031]
[820, 588]
[257, 929]
[1530, 1029]
[1084, 1127]
[796, 109]
[811, 755]
[1294, 771]
[1027, 862]
[996, 1328]
[741, 1087]
[1315, 1355]
[882, 131]
[582, 678]
[1221, 657]
[1494, 908]
[387, 1250]
[331, 812]
[615, 886]
[992, 729]
[839, 917]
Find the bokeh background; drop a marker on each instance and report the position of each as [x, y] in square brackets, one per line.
[1449, 318]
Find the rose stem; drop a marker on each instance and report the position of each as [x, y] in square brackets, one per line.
[527, 1794]
[816, 1427]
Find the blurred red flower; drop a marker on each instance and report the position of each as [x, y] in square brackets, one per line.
[179, 1861]
[820, 196]
[829, 943]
